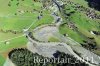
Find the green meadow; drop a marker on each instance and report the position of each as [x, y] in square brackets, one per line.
[15, 15]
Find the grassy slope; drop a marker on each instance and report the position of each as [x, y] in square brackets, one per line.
[5, 36]
[53, 39]
[84, 24]
[15, 43]
[2, 60]
[66, 30]
[82, 2]
[10, 21]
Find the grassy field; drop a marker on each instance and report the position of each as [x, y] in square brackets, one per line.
[53, 39]
[2, 60]
[66, 30]
[26, 13]
[81, 2]
[83, 23]
[16, 15]
[8, 35]
[14, 43]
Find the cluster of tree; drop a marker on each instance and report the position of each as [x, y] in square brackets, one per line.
[94, 4]
[32, 37]
[10, 31]
[89, 44]
[9, 4]
[90, 13]
[23, 57]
